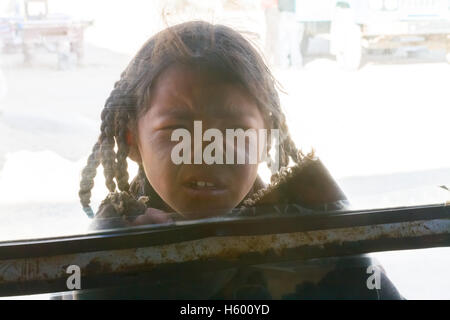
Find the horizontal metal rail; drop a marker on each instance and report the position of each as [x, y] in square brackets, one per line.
[151, 253]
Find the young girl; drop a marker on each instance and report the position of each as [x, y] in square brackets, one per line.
[194, 72]
[190, 72]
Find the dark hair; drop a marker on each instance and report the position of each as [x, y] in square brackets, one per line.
[197, 44]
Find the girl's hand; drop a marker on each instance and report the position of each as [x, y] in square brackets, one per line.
[152, 216]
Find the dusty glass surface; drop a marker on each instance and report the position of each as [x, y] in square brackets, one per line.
[363, 84]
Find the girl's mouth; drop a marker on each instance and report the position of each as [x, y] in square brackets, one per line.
[201, 185]
[204, 187]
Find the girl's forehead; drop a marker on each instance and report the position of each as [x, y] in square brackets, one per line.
[182, 76]
[184, 89]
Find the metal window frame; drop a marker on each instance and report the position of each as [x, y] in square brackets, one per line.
[148, 253]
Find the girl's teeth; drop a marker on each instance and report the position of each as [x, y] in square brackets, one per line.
[202, 184]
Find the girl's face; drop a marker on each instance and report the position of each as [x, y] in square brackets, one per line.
[180, 96]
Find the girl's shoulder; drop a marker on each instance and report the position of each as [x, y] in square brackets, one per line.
[307, 186]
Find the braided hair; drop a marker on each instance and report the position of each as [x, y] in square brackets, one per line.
[197, 44]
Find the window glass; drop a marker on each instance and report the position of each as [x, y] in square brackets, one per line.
[362, 83]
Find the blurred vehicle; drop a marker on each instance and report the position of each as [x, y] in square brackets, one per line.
[354, 26]
[315, 16]
[32, 26]
[388, 25]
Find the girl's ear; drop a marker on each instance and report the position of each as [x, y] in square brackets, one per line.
[133, 153]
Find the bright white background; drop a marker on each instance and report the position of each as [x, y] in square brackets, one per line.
[382, 131]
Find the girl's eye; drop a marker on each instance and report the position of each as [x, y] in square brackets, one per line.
[237, 126]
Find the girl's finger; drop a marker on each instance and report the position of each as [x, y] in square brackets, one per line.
[152, 216]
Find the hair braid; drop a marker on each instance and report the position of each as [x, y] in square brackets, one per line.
[122, 118]
[285, 148]
[115, 117]
[288, 145]
[87, 179]
[108, 155]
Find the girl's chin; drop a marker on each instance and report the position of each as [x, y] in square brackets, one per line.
[204, 213]
[203, 203]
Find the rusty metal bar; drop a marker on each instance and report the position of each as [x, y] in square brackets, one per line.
[114, 258]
